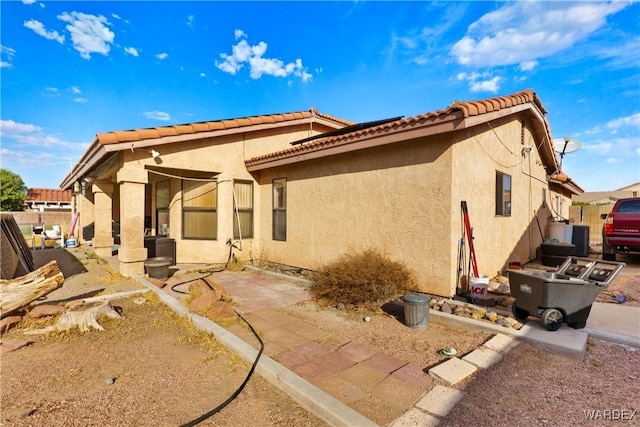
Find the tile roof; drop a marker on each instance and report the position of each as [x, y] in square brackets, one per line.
[48, 195]
[464, 109]
[116, 137]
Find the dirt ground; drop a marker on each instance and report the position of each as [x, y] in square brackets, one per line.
[151, 368]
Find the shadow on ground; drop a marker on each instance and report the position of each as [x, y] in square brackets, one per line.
[68, 264]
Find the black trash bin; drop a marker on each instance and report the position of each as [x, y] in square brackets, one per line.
[562, 296]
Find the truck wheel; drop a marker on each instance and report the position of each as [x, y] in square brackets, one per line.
[519, 313]
[551, 319]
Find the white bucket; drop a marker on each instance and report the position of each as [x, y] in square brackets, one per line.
[560, 232]
[478, 286]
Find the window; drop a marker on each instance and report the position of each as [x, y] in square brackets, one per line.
[503, 194]
[163, 199]
[279, 226]
[199, 210]
[242, 209]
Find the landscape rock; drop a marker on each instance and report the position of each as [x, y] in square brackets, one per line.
[446, 308]
[9, 322]
[44, 310]
[221, 310]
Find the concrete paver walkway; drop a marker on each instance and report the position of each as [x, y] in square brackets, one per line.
[382, 388]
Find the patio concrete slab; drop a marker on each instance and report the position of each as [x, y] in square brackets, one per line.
[615, 322]
[452, 371]
[483, 358]
[440, 400]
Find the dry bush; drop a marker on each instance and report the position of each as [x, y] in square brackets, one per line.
[361, 279]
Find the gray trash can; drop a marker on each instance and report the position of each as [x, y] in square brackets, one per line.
[416, 311]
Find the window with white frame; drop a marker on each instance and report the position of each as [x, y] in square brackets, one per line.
[242, 209]
[279, 226]
[199, 210]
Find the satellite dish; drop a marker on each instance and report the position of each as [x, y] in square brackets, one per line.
[566, 145]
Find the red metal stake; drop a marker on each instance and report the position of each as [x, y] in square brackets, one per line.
[472, 250]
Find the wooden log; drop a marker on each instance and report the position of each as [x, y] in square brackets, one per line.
[83, 316]
[21, 291]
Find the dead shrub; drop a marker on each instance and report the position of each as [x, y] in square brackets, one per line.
[361, 279]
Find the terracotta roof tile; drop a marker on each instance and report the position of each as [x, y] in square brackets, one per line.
[147, 133]
[467, 109]
[200, 127]
[48, 195]
[190, 128]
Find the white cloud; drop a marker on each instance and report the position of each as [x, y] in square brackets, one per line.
[115, 16]
[75, 89]
[89, 33]
[203, 75]
[38, 28]
[190, 21]
[157, 115]
[52, 91]
[28, 1]
[162, 56]
[8, 54]
[242, 53]
[131, 51]
[614, 160]
[524, 31]
[238, 34]
[81, 100]
[528, 66]
[32, 135]
[632, 120]
[481, 82]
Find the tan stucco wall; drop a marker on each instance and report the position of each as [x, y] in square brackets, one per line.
[405, 200]
[498, 240]
[223, 157]
[395, 200]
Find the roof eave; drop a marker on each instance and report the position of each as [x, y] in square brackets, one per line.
[89, 161]
[358, 140]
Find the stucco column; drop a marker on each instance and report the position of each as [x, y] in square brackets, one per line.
[132, 252]
[103, 213]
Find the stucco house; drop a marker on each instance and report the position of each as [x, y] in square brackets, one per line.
[303, 188]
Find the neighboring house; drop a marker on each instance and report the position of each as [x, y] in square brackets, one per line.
[48, 199]
[304, 188]
[608, 197]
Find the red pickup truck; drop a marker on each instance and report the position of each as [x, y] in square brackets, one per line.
[621, 230]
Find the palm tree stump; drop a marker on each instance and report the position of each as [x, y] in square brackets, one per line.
[83, 316]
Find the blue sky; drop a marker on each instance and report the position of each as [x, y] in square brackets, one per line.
[70, 70]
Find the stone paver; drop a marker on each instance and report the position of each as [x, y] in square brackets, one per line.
[483, 358]
[385, 363]
[357, 351]
[413, 374]
[416, 418]
[363, 376]
[341, 389]
[452, 371]
[440, 400]
[501, 343]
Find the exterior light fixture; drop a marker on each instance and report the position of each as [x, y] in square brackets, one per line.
[154, 153]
